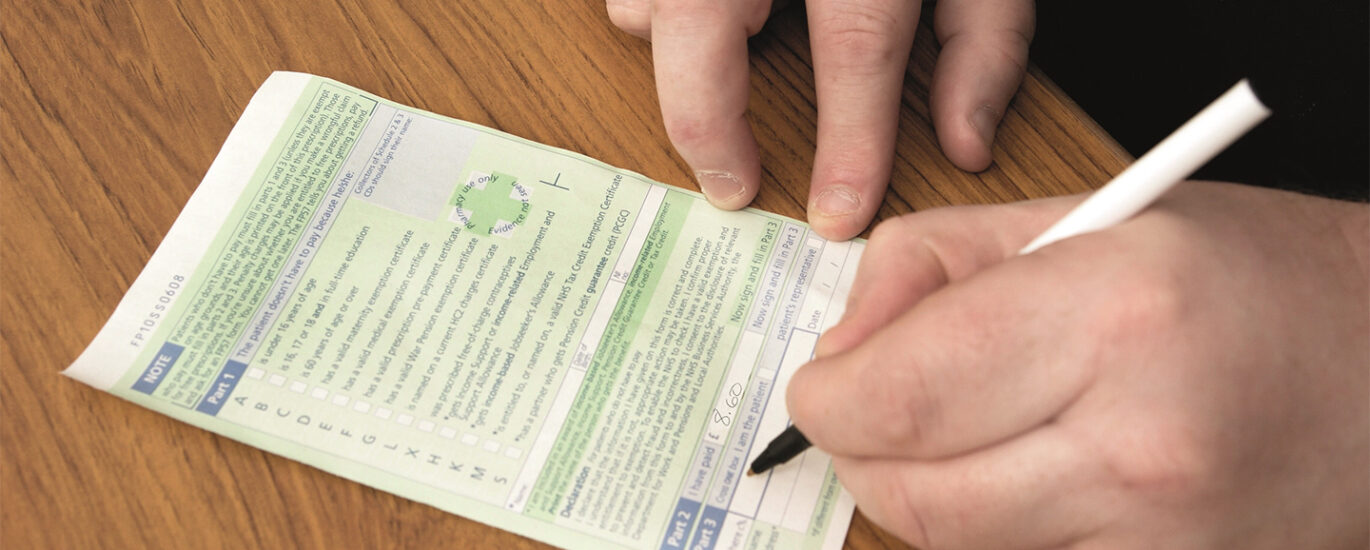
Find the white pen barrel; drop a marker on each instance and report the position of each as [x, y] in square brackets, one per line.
[1169, 162]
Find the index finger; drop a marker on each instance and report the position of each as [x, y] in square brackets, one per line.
[860, 54]
[975, 363]
[914, 255]
[699, 49]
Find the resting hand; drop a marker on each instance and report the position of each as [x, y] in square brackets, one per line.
[1198, 376]
[860, 54]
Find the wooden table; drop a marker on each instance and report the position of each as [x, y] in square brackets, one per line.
[114, 110]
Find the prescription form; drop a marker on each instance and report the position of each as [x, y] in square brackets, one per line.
[504, 330]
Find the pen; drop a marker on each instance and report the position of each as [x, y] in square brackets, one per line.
[785, 446]
[1170, 161]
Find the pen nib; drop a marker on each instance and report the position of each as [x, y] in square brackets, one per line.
[750, 472]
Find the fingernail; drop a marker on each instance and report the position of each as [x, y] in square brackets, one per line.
[718, 185]
[836, 201]
[984, 120]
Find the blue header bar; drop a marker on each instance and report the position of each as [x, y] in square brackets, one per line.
[221, 388]
[678, 529]
[709, 525]
[159, 367]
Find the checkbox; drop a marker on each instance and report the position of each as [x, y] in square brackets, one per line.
[276, 380]
[491, 446]
[426, 426]
[449, 433]
[383, 413]
[255, 373]
[513, 452]
[340, 400]
[319, 393]
[361, 406]
[404, 419]
[298, 386]
[470, 439]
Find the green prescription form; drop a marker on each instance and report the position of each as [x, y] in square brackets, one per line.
[507, 331]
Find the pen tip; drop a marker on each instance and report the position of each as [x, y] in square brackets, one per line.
[750, 472]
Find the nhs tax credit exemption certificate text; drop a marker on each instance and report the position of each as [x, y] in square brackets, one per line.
[508, 331]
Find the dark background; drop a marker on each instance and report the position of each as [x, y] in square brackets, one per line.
[1142, 68]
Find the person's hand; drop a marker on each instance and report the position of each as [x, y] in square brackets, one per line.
[860, 53]
[1196, 377]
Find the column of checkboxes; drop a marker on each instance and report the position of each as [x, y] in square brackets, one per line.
[340, 400]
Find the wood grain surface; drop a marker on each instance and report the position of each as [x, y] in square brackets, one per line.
[113, 111]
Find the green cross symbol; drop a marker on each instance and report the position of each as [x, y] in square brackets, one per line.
[496, 209]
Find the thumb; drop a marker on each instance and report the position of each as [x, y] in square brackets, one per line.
[909, 257]
[984, 55]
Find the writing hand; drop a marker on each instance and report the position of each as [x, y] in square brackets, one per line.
[1198, 376]
[860, 54]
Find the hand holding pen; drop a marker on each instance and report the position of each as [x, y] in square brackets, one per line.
[1193, 375]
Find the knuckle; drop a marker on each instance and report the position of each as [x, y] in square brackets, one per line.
[690, 132]
[690, 16]
[857, 162]
[894, 230]
[1010, 46]
[1016, 44]
[910, 519]
[1151, 300]
[1170, 463]
[888, 230]
[859, 34]
[1158, 303]
[908, 401]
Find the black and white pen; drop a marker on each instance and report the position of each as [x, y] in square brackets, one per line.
[1170, 161]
